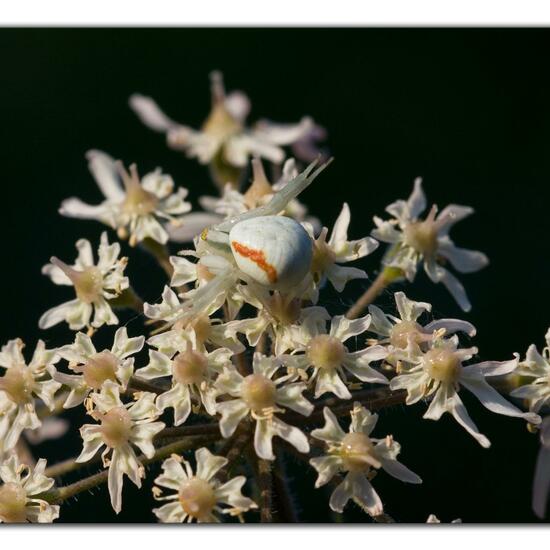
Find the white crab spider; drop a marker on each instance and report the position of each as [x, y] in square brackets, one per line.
[256, 246]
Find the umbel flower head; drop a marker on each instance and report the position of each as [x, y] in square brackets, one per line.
[199, 496]
[120, 426]
[134, 206]
[223, 141]
[261, 396]
[20, 384]
[21, 484]
[94, 368]
[94, 284]
[404, 336]
[536, 369]
[414, 240]
[193, 372]
[360, 456]
[440, 373]
[330, 359]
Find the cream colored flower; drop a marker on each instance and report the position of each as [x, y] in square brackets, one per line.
[223, 137]
[404, 336]
[93, 368]
[19, 490]
[20, 384]
[120, 426]
[360, 456]
[94, 284]
[279, 315]
[199, 496]
[329, 357]
[414, 241]
[262, 397]
[193, 372]
[328, 255]
[536, 368]
[134, 206]
[440, 373]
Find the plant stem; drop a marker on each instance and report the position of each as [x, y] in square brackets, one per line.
[265, 481]
[138, 384]
[387, 276]
[63, 493]
[210, 429]
[234, 446]
[282, 491]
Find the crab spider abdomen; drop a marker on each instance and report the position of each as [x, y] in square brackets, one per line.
[274, 251]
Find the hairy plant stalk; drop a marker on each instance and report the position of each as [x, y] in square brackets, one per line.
[387, 276]
[283, 494]
[265, 482]
[138, 384]
[69, 465]
[63, 493]
[233, 447]
[44, 412]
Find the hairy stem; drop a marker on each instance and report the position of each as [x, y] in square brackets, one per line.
[287, 508]
[63, 493]
[233, 448]
[265, 481]
[387, 276]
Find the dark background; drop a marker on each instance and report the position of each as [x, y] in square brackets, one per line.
[466, 109]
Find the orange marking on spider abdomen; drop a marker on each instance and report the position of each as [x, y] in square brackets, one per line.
[258, 257]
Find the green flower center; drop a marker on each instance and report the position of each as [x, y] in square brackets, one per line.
[326, 352]
[442, 364]
[116, 426]
[12, 503]
[190, 367]
[18, 383]
[258, 392]
[197, 498]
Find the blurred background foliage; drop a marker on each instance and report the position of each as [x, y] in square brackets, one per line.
[466, 109]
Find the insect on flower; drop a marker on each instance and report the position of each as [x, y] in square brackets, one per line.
[256, 246]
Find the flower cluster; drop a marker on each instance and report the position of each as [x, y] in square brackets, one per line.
[241, 358]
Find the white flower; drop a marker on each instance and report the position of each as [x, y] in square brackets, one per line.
[94, 367]
[331, 359]
[536, 368]
[223, 135]
[94, 284]
[261, 397]
[414, 240]
[541, 481]
[19, 490]
[19, 386]
[132, 206]
[403, 335]
[440, 373]
[357, 454]
[338, 250]
[199, 496]
[278, 316]
[193, 373]
[199, 331]
[121, 426]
